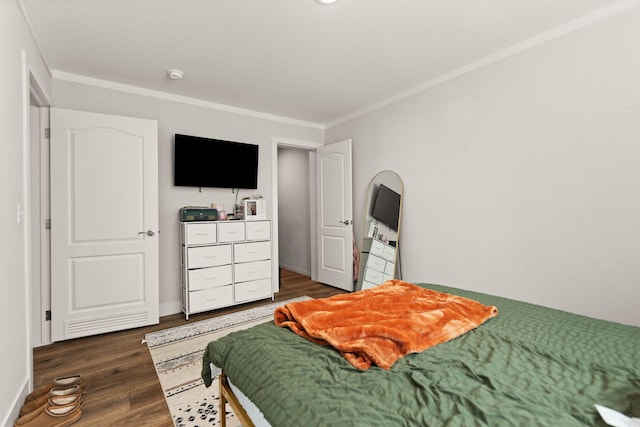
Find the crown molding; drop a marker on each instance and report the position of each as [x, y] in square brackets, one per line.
[136, 90]
[561, 30]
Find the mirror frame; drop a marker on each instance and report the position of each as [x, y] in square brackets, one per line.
[386, 238]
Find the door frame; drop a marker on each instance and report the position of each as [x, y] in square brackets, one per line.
[33, 93]
[311, 147]
[38, 284]
[41, 233]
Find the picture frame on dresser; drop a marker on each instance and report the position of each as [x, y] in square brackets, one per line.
[255, 209]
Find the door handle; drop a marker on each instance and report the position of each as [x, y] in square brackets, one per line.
[346, 222]
[149, 232]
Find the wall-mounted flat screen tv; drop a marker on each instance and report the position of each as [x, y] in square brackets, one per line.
[386, 207]
[207, 162]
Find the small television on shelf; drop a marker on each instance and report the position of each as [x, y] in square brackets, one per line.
[207, 162]
[386, 207]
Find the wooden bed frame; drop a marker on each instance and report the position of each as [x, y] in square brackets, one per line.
[227, 395]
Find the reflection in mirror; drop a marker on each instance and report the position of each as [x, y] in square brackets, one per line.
[380, 248]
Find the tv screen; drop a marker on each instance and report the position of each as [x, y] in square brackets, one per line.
[386, 207]
[206, 162]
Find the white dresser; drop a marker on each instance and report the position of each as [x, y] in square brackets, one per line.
[377, 262]
[224, 263]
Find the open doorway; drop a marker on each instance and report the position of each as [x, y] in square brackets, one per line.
[294, 210]
[304, 148]
[330, 211]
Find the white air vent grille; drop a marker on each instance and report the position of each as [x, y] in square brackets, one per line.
[100, 325]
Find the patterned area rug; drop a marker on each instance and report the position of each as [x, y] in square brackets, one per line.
[177, 356]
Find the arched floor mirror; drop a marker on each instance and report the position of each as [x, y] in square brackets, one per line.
[379, 257]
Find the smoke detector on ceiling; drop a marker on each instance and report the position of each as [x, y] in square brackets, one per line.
[175, 74]
[325, 2]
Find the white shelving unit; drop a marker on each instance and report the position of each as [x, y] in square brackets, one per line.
[377, 263]
[224, 263]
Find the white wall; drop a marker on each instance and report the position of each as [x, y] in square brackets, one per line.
[521, 178]
[174, 117]
[293, 210]
[15, 369]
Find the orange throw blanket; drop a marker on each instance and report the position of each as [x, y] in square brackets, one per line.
[380, 325]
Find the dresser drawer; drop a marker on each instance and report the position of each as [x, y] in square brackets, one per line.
[252, 271]
[373, 276]
[376, 263]
[208, 256]
[377, 247]
[259, 230]
[201, 234]
[211, 277]
[368, 285]
[209, 299]
[230, 231]
[390, 268]
[256, 251]
[255, 289]
[389, 253]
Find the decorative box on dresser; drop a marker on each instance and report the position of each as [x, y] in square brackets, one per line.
[224, 263]
[377, 262]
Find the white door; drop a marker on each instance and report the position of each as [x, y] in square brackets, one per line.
[104, 223]
[335, 215]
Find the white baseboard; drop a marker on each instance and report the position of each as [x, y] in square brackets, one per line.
[12, 416]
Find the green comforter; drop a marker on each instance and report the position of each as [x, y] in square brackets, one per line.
[530, 366]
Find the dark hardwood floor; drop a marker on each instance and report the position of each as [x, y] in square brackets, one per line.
[121, 386]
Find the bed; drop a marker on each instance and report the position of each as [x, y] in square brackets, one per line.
[530, 365]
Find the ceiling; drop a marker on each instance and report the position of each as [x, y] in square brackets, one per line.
[294, 59]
